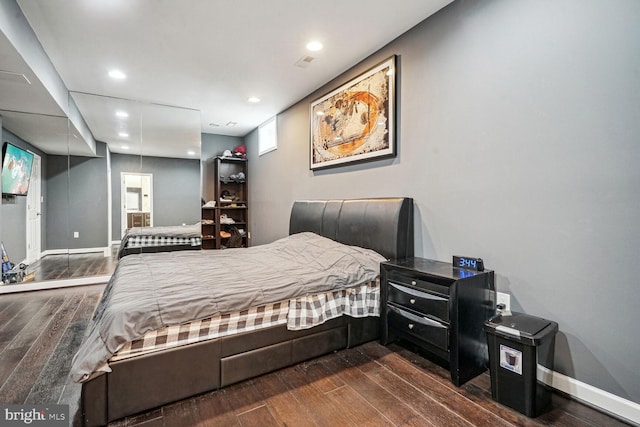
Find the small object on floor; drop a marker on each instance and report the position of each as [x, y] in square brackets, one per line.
[28, 277]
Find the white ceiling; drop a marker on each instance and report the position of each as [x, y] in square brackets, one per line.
[208, 56]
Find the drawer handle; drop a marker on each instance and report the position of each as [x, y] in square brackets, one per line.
[413, 282]
[412, 301]
[410, 325]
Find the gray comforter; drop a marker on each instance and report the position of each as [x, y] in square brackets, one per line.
[150, 291]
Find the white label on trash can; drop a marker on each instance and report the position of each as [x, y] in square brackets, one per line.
[511, 359]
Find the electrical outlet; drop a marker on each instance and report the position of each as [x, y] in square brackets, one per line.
[502, 298]
[76, 234]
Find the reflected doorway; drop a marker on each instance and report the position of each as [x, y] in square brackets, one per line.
[137, 200]
[34, 212]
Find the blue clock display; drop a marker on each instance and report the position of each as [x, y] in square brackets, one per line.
[468, 263]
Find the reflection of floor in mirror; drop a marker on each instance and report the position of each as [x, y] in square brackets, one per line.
[60, 267]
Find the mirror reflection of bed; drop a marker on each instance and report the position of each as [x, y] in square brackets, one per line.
[79, 227]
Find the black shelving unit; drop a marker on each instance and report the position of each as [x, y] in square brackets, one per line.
[230, 215]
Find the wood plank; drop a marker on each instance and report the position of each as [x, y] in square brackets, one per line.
[435, 388]
[181, 414]
[322, 378]
[153, 418]
[17, 387]
[281, 401]
[430, 409]
[584, 412]
[361, 412]
[317, 406]
[71, 391]
[26, 336]
[393, 408]
[16, 317]
[258, 417]
[216, 410]
[50, 383]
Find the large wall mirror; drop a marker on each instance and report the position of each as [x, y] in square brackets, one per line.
[144, 170]
[35, 219]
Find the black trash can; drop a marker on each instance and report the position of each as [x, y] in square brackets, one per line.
[517, 344]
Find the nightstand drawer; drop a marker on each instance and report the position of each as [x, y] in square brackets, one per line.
[424, 302]
[421, 283]
[419, 327]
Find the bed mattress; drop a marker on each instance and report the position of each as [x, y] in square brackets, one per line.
[148, 292]
[298, 313]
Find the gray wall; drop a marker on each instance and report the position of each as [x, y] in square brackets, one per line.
[176, 188]
[77, 201]
[213, 146]
[518, 139]
[88, 200]
[57, 221]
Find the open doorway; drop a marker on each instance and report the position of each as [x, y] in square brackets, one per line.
[137, 200]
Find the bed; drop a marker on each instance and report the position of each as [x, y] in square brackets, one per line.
[145, 381]
[160, 239]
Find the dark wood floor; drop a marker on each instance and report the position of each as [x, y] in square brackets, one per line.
[71, 266]
[369, 385]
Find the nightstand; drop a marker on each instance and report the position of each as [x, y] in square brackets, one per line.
[441, 309]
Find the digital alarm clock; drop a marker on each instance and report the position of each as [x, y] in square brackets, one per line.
[468, 263]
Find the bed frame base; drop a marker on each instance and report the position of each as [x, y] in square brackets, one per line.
[146, 382]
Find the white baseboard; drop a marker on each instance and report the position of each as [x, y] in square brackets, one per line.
[52, 284]
[104, 250]
[590, 395]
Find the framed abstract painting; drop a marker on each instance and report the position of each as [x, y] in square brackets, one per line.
[355, 122]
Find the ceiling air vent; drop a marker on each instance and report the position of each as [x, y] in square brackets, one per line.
[8, 76]
[304, 61]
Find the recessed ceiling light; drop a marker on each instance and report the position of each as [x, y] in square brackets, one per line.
[253, 99]
[191, 153]
[123, 135]
[124, 147]
[122, 114]
[214, 124]
[117, 74]
[314, 46]
[232, 124]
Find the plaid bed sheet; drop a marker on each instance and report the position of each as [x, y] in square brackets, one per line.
[206, 329]
[299, 313]
[307, 312]
[145, 241]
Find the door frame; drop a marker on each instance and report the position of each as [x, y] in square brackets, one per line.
[123, 199]
[34, 241]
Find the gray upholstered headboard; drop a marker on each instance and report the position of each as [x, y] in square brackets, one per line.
[384, 225]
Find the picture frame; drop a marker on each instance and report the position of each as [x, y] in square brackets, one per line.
[356, 121]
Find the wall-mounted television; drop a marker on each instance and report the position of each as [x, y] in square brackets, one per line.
[16, 170]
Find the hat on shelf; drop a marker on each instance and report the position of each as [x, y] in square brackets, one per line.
[240, 151]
